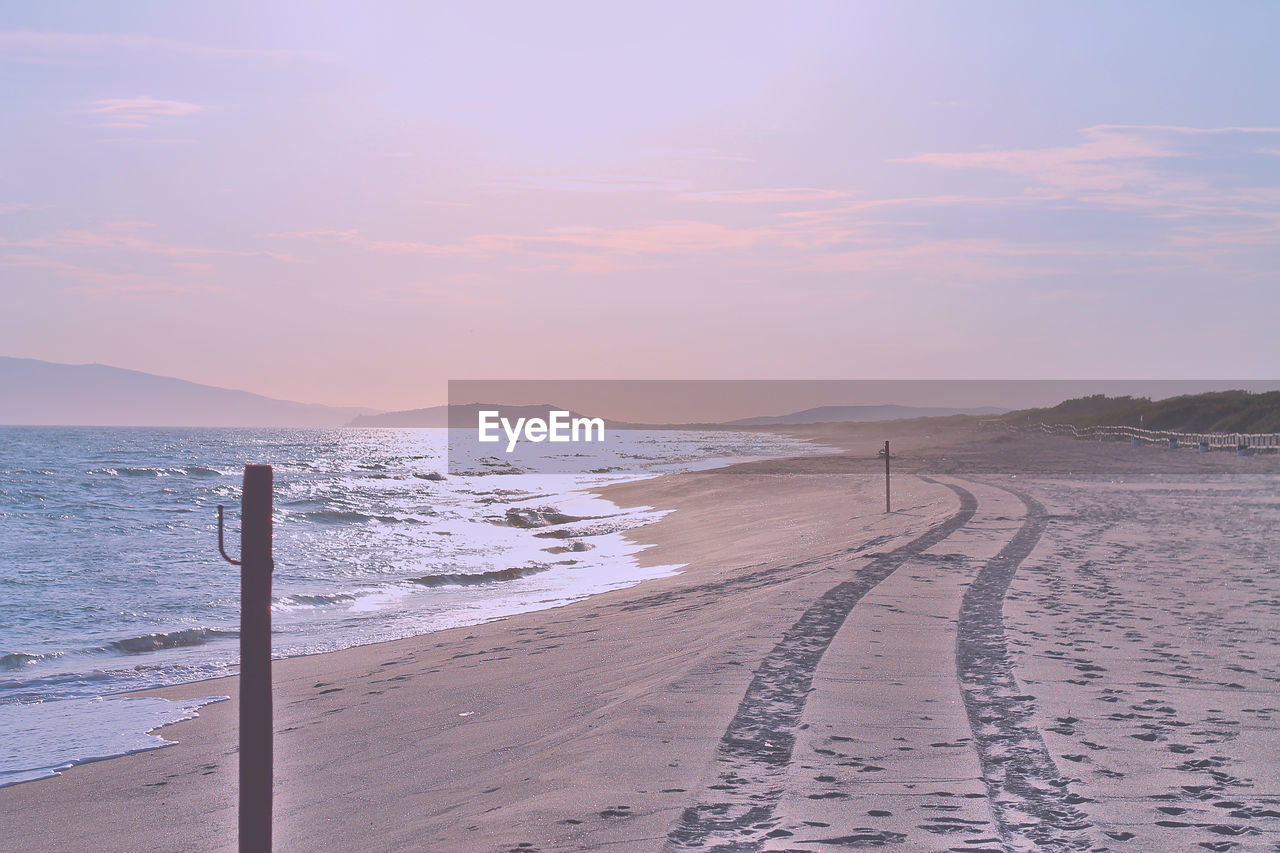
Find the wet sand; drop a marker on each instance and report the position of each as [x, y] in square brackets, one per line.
[1049, 644]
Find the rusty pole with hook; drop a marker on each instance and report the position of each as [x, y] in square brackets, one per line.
[255, 563]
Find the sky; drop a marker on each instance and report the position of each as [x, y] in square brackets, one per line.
[352, 203]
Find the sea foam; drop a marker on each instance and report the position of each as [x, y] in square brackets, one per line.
[43, 739]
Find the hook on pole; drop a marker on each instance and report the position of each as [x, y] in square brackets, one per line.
[221, 548]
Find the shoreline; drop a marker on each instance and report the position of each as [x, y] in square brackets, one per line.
[612, 564]
[601, 722]
[203, 755]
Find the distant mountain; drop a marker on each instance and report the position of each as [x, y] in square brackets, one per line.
[45, 393]
[861, 414]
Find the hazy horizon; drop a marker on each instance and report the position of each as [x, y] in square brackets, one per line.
[40, 393]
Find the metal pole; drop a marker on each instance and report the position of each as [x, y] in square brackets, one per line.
[886, 477]
[255, 661]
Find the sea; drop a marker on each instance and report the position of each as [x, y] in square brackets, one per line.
[111, 581]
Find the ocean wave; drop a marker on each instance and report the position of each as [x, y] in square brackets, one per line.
[18, 660]
[300, 600]
[188, 471]
[171, 640]
[348, 516]
[335, 516]
[474, 578]
[129, 645]
[19, 690]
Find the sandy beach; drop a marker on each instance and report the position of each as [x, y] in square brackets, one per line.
[1048, 645]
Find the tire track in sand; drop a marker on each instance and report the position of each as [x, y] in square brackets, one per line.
[1029, 798]
[737, 813]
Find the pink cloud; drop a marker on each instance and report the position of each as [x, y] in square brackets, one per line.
[141, 111]
[1117, 165]
[102, 280]
[1124, 168]
[1108, 159]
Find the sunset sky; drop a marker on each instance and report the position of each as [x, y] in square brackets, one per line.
[351, 203]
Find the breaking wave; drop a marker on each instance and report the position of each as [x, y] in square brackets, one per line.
[318, 600]
[472, 579]
[17, 660]
[171, 640]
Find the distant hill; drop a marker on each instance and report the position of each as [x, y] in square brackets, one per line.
[45, 393]
[433, 416]
[861, 414]
[1218, 411]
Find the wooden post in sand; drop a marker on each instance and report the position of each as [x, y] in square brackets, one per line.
[255, 661]
[886, 477]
